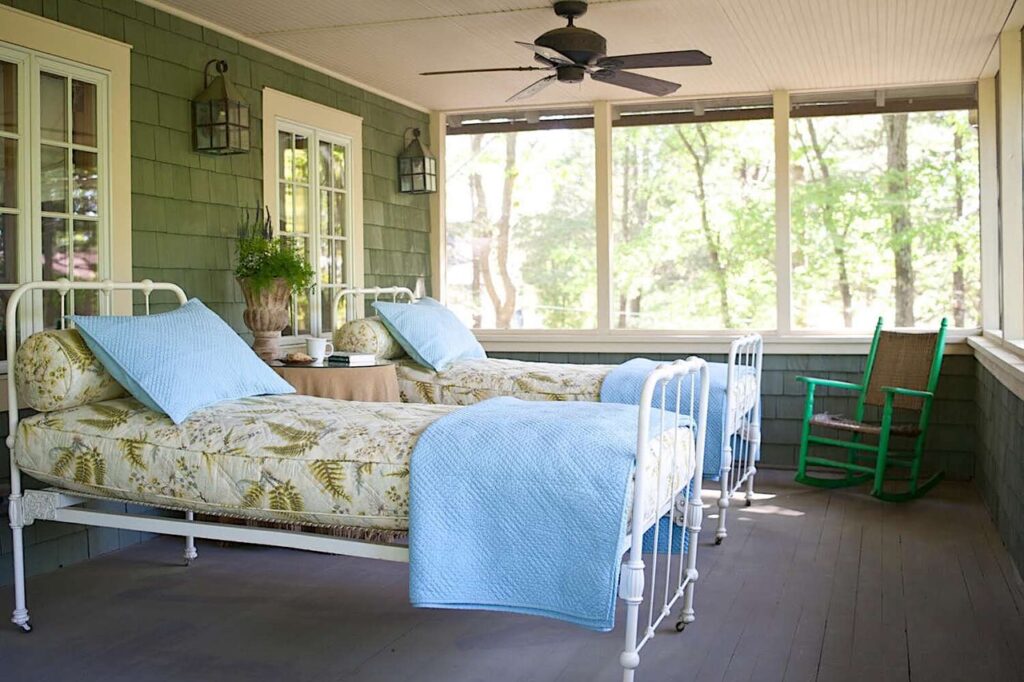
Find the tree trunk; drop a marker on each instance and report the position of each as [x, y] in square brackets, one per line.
[897, 191]
[836, 236]
[959, 286]
[486, 242]
[701, 158]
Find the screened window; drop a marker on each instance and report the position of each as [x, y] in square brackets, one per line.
[885, 220]
[521, 234]
[53, 157]
[693, 226]
[314, 212]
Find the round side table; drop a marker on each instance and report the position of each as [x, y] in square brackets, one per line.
[378, 383]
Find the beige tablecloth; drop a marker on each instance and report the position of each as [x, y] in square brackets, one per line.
[367, 384]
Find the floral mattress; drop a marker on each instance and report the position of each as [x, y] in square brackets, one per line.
[283, 458]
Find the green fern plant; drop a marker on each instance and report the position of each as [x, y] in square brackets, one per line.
[262, 258]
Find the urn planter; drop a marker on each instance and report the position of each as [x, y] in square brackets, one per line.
[266, 315]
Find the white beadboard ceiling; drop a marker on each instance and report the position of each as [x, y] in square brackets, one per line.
[757, 45]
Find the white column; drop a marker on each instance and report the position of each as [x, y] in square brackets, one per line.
[989, 210]
[1011, 183]
[438, 126]
[783, 252]
[603, 210]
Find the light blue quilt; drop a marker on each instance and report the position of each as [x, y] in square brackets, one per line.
[624, 383]
[521, 506]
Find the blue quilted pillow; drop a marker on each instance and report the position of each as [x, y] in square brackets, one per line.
[430, 333]
[178, 362]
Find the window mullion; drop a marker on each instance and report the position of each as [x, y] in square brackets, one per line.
[603, 210]
[783, 249]
[1011, 180]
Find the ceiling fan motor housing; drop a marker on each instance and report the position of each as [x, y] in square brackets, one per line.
[581, 45]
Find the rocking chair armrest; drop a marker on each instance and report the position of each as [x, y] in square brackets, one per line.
[911, 392]
[830, 383]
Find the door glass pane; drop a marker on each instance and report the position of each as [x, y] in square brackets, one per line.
[338, 218]
[284, 155]
[325, 164]
[83, 111]
[338, 154]
[332, 317]
[325, 209]
[8, 248]
[85, 189]
[54, 258]
[337, 261]
[301, 159]
[53, 107]
[8, 173]
[301, 215]
[53, 164]
[8, 97]
[85, 254]
[285, 220]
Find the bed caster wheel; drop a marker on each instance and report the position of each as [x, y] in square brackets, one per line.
[749, 502]
[680, 625]
[25, 627]
[718, 541]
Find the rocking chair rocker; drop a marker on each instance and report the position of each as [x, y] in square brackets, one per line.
[902, 372]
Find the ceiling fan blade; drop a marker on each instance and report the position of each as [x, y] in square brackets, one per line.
[635, 81]
[533, 88]
[652, 60]
[509, 68]
[553, 56]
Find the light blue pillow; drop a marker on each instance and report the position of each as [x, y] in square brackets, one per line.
[178, 362]
[430, 333]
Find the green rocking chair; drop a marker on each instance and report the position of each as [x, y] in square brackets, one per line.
[902, 373]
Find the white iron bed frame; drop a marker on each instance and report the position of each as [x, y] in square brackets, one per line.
[742, 428]
[54, 504]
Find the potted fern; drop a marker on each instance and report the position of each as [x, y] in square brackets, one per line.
[269, 271]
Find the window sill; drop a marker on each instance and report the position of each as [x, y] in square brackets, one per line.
[549, 341]
[1005, 360]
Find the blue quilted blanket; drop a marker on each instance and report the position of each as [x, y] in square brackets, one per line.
[624, 383]
[521, 506]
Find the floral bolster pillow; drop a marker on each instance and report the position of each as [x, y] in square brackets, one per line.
[368, 335]
[55, 370]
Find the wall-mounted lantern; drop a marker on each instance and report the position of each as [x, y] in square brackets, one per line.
[417, 167]
[220, 116]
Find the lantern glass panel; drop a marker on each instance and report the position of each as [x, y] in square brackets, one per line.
[202, 111]
[431, 183]
[232, 111]
[417, 165]
[220, 136]
[203, 139]
[406, 183]
[404, 165]
[418, 183]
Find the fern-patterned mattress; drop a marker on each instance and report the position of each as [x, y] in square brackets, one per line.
[284, 458]
[469, 381]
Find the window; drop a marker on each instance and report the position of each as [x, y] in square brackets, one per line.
[885, 220]
[521, 233]
[670, 216]
[693, 226]
[54, 207]
[315, 193]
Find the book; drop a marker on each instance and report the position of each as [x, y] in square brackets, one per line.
[345, 359]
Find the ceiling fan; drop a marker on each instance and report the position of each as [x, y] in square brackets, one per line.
[572, 52]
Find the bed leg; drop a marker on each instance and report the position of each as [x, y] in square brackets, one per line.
[724, 479]
[631, 591]
[20, 615]
[750, 484]
[696, 515]
[190, 543]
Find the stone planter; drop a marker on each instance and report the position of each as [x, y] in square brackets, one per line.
[266, 314]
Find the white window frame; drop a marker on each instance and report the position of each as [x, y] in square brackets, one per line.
[282, 111]
[605, 338]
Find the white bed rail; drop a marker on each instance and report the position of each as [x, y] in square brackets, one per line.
[659, 409]
[741, 425]
[396, 293]
[17, 511]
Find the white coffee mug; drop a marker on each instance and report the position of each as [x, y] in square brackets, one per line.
[318, 349]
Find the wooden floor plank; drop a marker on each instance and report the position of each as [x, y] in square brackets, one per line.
[810, 586]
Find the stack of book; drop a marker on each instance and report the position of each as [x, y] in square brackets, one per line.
[344, 359]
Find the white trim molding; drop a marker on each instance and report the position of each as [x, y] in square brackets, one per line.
[1006, 365]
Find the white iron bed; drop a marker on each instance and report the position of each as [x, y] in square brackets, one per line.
[733, 465]
[656, 492]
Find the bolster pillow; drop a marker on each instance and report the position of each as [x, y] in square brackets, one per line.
[368, 335]
[55, 370]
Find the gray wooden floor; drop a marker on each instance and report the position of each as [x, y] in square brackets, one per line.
[810, 585]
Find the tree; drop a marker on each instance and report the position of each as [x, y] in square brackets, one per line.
[897, 198]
